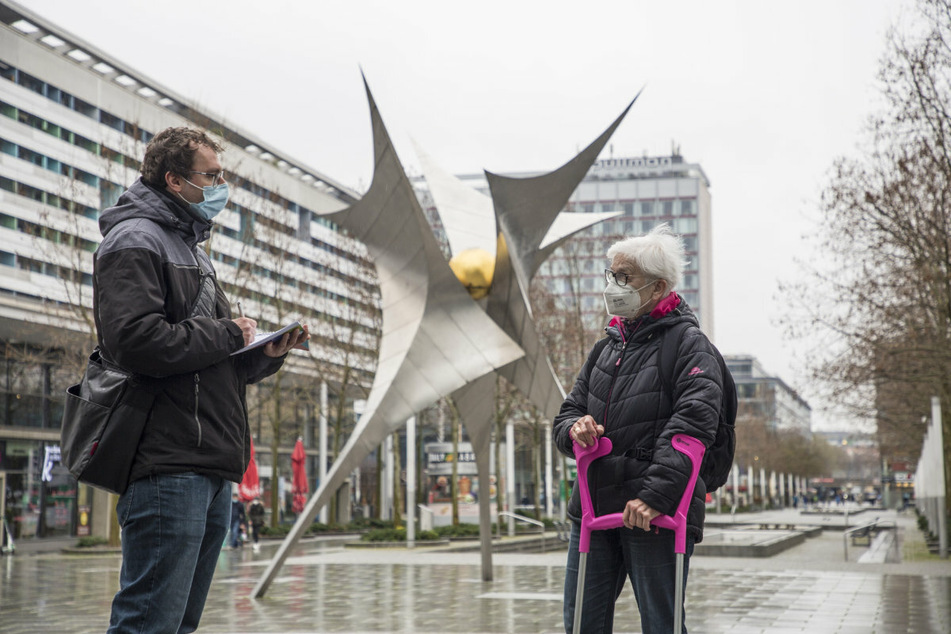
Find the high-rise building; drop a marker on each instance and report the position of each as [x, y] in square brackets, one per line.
[74, 123]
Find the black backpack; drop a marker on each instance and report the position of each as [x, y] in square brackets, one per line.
[718, 459]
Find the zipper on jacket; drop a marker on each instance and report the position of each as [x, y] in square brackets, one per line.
[617, 367]
[197, 422]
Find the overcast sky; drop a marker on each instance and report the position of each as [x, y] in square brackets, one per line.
[764, 95]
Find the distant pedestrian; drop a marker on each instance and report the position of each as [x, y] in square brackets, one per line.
[256, 513]
[239, 521]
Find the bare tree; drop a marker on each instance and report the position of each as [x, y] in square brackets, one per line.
[351, 342]
[879, 312]
[263, 278]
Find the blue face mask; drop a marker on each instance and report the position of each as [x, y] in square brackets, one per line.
[215, 199]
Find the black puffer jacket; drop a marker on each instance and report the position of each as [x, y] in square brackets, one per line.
[623, 391]
[147, 277]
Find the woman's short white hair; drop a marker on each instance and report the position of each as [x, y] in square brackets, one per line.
[659, 254]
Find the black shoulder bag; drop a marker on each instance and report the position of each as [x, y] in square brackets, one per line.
[103, 421]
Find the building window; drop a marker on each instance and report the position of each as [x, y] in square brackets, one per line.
[668, 206]
[86, 109]
[31, 156]
[685, 225]
[112, 121]
[647, 208]
[686, 207]
[31, 82]
[109, 194]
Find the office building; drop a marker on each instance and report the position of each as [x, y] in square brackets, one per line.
[74, 123]
[767, 398]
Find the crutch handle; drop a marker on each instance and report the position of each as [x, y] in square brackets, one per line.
[584, 456]
[694, 450]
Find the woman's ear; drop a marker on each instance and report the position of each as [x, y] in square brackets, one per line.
[660, 289]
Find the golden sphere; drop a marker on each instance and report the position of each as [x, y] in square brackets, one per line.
[474, 268]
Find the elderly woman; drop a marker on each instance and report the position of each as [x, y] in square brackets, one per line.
[620, 394]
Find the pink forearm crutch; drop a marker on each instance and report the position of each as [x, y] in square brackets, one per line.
[693, 449]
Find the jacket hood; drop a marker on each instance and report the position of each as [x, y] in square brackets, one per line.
[142, 201]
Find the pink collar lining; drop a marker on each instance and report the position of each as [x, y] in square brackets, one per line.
[663, 307]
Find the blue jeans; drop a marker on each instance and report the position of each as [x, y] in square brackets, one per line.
[173, 526]
[235, 536]
[649, 561]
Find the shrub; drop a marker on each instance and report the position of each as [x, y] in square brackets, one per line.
[317, 528]
[281, 530]
[384, 535]
[462, 530]
[363, 523]
[91, 541]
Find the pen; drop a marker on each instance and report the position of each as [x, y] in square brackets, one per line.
[240, 311]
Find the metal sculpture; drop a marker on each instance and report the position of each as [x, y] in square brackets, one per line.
[436, 339]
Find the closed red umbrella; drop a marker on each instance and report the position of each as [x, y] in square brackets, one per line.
[250, 486]
[299, 469]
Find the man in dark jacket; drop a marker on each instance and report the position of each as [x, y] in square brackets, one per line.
[620, 394]
[239, 521]
[256, 514]
[160, 313]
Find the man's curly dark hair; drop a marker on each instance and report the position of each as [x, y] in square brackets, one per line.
[173, 150]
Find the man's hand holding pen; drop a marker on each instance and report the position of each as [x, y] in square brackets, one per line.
[248, 326]
[293, 339]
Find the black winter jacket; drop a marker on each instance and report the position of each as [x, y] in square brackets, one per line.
[147, 274]
[623, 391]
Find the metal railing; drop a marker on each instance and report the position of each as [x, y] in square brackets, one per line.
[868, 530]
[564, 530]
[521, 518]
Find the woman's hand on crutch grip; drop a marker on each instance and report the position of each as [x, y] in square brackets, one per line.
[638, 515]
[585, 431]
